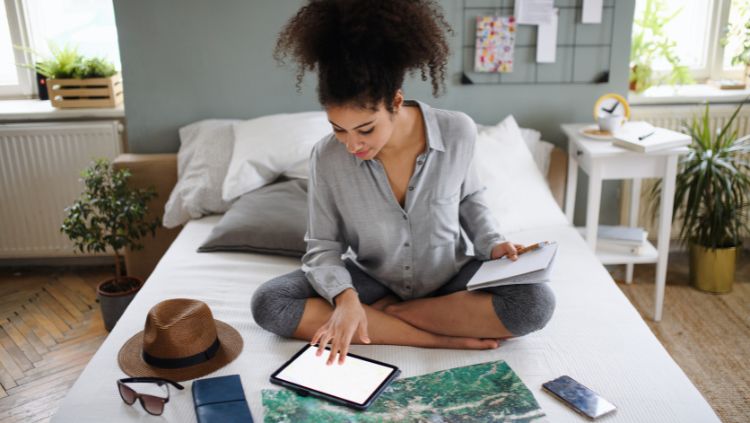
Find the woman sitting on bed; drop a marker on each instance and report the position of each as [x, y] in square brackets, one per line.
[396, 184]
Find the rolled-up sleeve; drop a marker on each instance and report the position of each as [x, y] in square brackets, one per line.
[475, 216]
[322, 263]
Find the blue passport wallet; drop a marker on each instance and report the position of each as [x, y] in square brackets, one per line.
[221, 399]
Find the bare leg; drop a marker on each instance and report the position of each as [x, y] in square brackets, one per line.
[462, 313]
[384, 302]
[385, 330]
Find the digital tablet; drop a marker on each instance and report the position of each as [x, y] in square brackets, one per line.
[356, 383]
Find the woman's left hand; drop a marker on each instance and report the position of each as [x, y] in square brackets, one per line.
[506, 248]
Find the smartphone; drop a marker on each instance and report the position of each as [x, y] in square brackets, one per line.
[578, 397]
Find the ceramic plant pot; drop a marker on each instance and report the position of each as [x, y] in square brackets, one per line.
[114, 299]
[712, 270]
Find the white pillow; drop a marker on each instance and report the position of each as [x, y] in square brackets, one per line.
[202, 162]
[270, 146]
[517, 193]
[530, 136]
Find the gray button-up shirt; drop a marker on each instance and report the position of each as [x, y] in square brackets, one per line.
[415, 249]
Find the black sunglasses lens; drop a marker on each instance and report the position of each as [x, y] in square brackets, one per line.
[127, 394]
[154, 405]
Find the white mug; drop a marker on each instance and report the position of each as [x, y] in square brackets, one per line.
[611, 123]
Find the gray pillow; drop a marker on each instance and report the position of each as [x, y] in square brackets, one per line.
[269, 220]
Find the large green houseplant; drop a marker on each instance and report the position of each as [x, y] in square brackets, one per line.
[649, 43]
[712, 193]
[110, 214]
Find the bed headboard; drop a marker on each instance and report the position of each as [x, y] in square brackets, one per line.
[160, 172]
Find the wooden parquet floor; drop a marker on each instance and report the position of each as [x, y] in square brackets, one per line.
[50, 326]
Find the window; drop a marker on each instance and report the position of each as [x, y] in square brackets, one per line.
[15, 81]
[739, 15]
[697, 29]
[88, 25]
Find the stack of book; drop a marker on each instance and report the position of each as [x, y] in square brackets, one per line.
[620, 239]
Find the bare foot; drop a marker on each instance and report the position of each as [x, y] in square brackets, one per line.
[384, 302]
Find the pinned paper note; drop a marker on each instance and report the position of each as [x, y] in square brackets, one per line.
[592, 11]
[533, 12]
[546, 40]
[496, 36]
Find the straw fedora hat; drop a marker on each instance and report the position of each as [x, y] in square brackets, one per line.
[181, 341]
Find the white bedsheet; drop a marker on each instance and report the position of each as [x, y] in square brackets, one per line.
[595, 336]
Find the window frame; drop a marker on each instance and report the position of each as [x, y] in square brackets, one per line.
[714, 59]
[19, 35]
[721, 19]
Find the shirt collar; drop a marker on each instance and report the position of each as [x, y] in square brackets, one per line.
[434, 140]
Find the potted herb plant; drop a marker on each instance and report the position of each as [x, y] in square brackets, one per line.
[712, 193]
[109, 214]
[74, 80]
[650, 43]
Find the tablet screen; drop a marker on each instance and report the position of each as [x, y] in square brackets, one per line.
[354, 381]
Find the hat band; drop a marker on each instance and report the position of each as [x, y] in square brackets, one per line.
[177, 363]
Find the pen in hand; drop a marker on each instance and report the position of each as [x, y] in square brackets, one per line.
[532, 247]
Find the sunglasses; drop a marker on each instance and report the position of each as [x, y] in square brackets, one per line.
[153, 404]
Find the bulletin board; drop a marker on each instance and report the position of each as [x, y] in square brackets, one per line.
[583, 55]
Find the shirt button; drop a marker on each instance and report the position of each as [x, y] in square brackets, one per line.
[407, 267]
[408, 286]
[411, 188]
[420, 162]
[406, 244]
[405, 217]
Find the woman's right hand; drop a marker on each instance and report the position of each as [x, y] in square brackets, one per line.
[348, 317]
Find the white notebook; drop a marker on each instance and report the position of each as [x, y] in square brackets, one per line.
[644, 138]
[531, 267]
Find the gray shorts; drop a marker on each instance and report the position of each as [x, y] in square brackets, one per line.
[278, 304]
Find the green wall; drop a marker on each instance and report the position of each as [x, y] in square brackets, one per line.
[194, 59]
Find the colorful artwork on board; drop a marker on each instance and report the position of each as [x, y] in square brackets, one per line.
[496, 36]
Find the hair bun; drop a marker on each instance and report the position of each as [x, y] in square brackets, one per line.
[363, 48]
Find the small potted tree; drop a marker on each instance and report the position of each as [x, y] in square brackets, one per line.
[712, 196]
[109, 214]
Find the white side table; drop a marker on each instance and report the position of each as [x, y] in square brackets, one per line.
[601, 160]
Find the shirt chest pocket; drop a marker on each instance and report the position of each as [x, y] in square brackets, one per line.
[444, 220]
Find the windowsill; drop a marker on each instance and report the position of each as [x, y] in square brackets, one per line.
[40, 110]
[687, 94]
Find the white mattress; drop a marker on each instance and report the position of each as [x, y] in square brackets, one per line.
[595, 336]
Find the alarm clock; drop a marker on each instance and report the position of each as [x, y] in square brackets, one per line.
[611, 111]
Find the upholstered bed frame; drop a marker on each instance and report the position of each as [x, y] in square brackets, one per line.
[160, 171]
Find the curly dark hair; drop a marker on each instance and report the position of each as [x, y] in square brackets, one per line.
[362, 49]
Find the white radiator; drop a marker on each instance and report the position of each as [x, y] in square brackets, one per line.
[40, 167]
[675, 117]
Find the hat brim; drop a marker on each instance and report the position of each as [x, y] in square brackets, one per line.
[131, 361]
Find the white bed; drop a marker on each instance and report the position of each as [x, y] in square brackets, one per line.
[595, 336]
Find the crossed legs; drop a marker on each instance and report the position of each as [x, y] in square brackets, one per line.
[453, 318]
